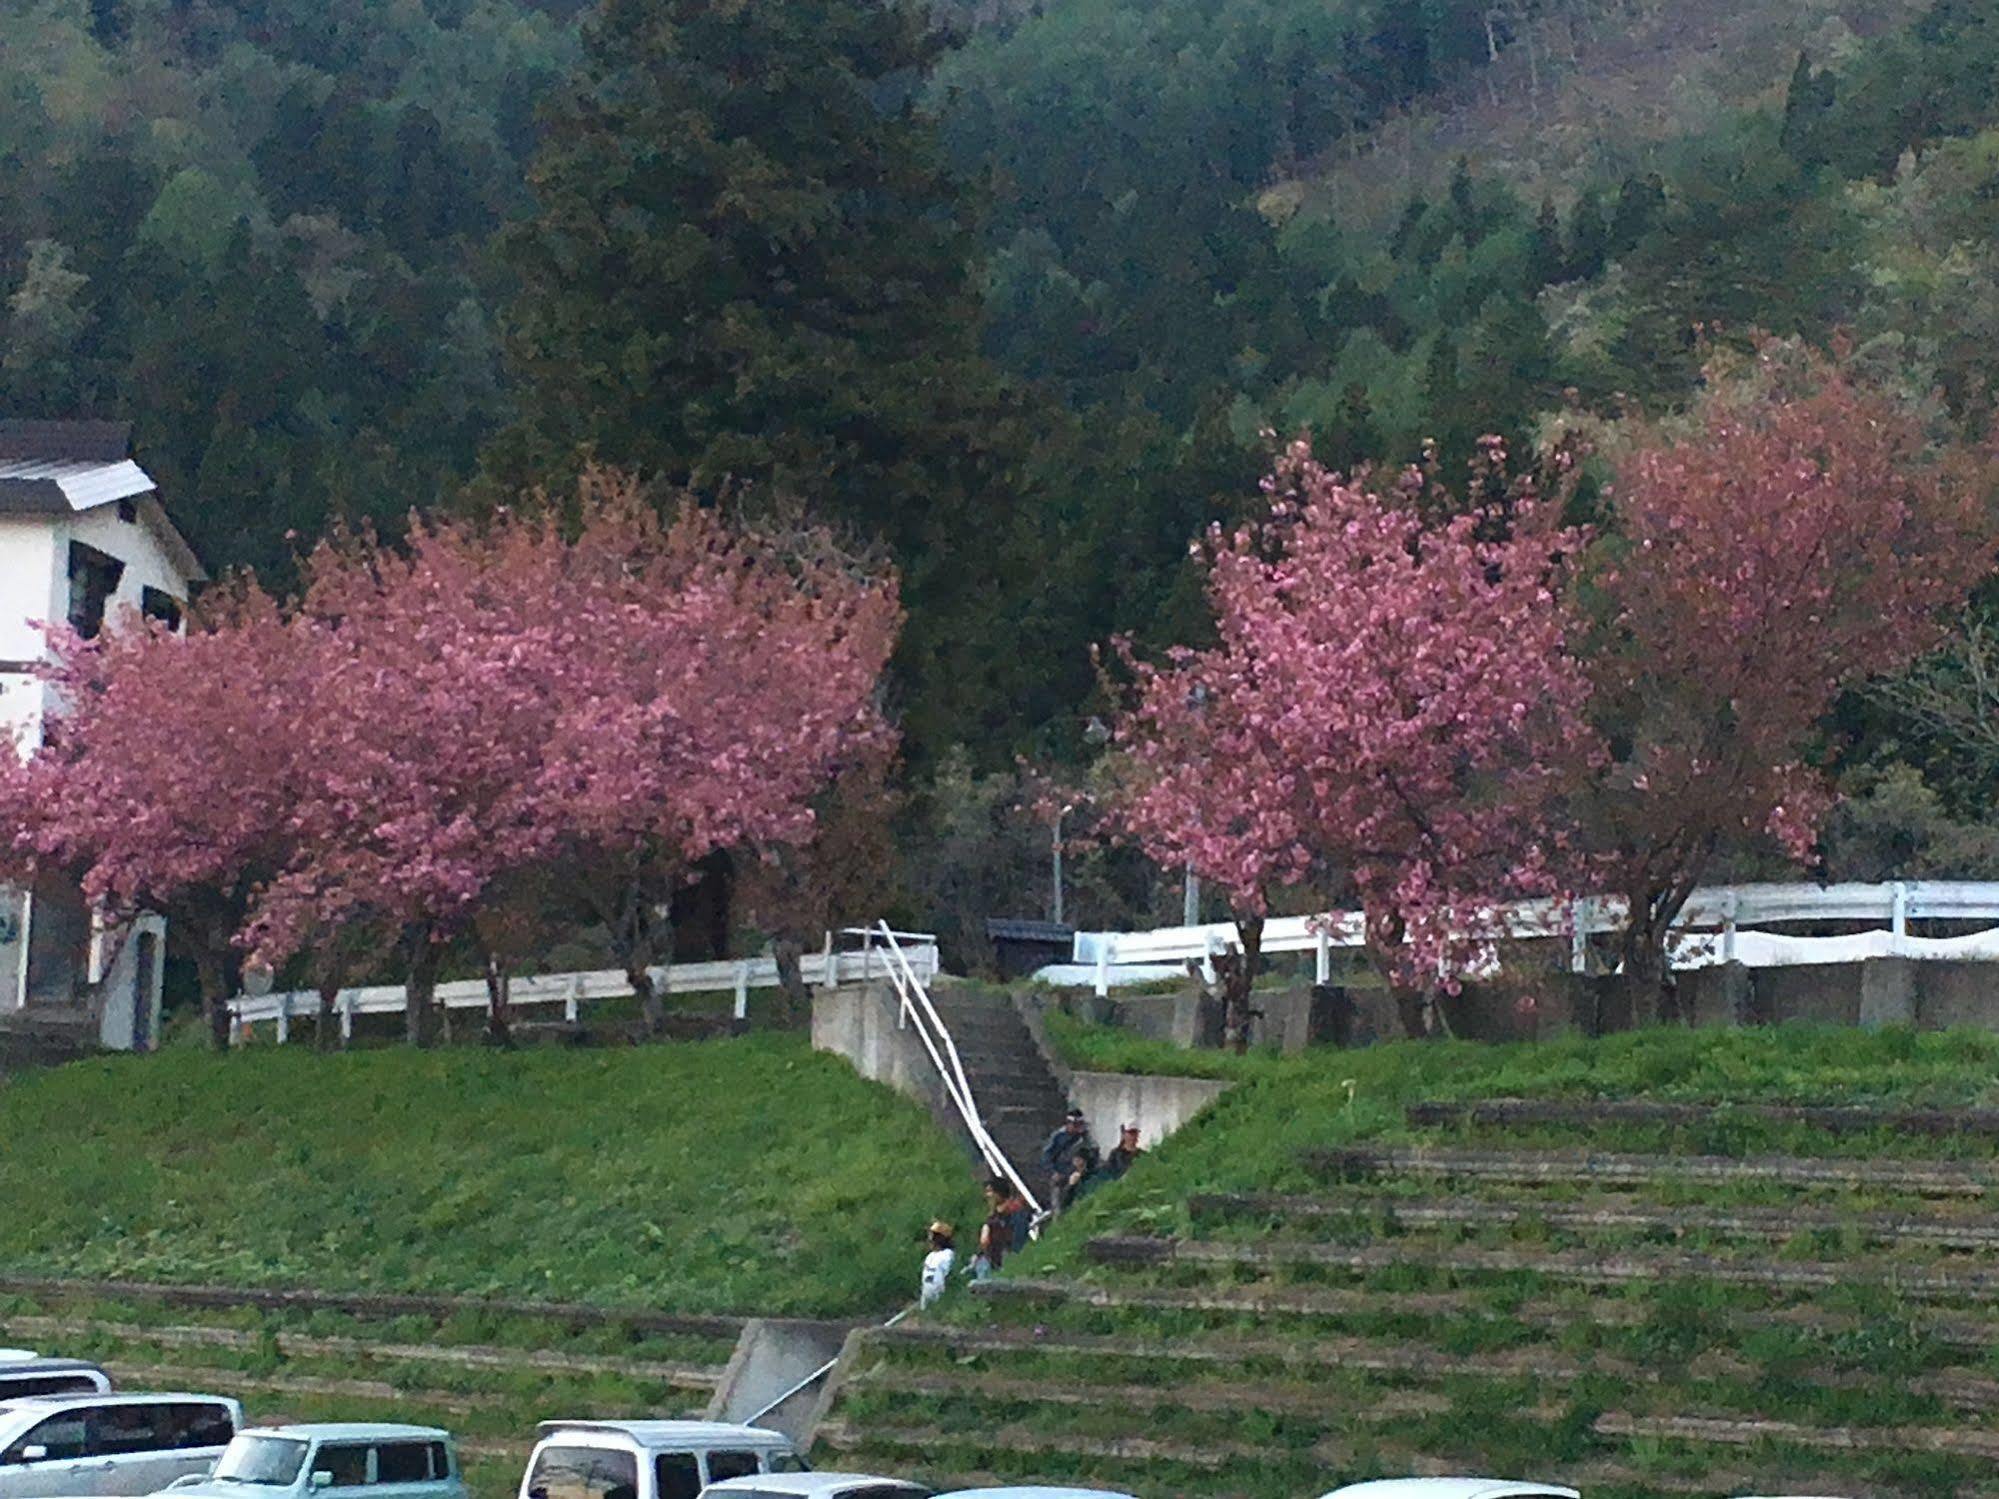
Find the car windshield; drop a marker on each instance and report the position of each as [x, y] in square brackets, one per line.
[267, 1460]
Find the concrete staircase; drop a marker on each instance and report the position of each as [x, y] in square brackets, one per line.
[1018, 1094]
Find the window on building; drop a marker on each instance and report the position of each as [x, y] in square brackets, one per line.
[93, 578]
[157, 604]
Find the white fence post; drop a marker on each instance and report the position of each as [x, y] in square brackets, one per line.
[1324, 965]
[284, 1018]
[742, 991]
[569, 1005]
[346, 1016]
[1898, 909]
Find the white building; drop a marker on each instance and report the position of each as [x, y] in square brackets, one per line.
[82, 536]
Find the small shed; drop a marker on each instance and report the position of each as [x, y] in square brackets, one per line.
[1020, 947]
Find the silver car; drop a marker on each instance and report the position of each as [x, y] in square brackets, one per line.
[24, 1373]
[374, 1459]
[54, 1446]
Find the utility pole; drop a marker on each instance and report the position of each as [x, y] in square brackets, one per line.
[1190, 906]
[1055, 858]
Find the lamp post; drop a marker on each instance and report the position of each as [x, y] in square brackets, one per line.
[1055, 853]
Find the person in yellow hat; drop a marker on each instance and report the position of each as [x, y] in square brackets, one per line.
[937, 1263]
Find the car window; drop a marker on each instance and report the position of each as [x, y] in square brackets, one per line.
[196, 1423]
[263, 1460]
[723, 1465]
[402, 1462]
[584, 1473]
[62, 1437]
[119, 1430]
[440, 1460]
[677, 1475]
[25, 1385]
[788, 1462]
[347, 1463]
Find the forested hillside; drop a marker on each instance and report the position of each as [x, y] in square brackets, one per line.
[1008, 288]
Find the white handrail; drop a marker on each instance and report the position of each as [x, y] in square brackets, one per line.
[917, 1005]
[1723, 909]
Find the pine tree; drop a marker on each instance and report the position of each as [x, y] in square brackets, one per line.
[747, 263]
[1545, 260]
[1589, 236]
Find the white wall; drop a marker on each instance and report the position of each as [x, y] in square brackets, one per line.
[31, 587]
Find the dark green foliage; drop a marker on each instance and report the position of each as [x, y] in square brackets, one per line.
[746, 262]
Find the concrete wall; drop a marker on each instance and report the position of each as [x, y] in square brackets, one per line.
[858, 1022]
[773, 1357]
[1157, 1105]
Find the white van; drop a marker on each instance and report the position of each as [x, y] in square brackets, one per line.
[648, 1459]
[104, 1446]
[24, 1373]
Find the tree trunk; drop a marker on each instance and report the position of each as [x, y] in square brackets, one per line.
[632, 940]
[499, 1022]
[420, 1009]
[788, 953]
[213, 974]
[1237, 969]
[1648, 982]
[329, 993]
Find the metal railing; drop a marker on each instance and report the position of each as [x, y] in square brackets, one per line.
[916, 1008]
[1721, 910]
[824, 969]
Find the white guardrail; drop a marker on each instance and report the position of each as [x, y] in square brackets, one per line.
[1710, 930]
[915, 951]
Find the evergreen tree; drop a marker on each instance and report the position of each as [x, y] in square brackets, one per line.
[1807, 102]
[747, 263]
[1545, 258]
[1640, 201]
[1589, 236]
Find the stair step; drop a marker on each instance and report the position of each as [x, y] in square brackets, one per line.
[1584, 1267]
[1979, 1232]
[1502, 1113]
[1532, 1168]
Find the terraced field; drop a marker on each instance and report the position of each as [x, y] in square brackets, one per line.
[487, 1373]
[1748, 1298]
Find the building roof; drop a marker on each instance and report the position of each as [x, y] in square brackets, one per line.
[56, 468]
[59, 468]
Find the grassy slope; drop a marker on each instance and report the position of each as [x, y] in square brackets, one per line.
[743, 1175]
[1163, 1392]
[1251, 1139]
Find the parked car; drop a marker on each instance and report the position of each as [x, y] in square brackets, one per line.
[648, 1459]
[1451, 1488]
[25, 1372]
[391, 1460]
[816, 1486]
[53, 1446]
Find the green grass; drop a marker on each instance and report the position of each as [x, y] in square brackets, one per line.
[1482, 1368]
[744, 1175]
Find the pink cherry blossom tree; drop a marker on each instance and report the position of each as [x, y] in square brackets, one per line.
[1798, 537]
[166, 781]
[419, 744]
[729, 679]
[1391, 713]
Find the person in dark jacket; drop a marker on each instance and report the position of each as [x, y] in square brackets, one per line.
[1069, 1157]
[1122, 1154]
[1005, 1229]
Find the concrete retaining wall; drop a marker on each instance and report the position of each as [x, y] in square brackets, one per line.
[858, 1022]
[772, 1357]
[1157, 1105]
[1930, 994]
